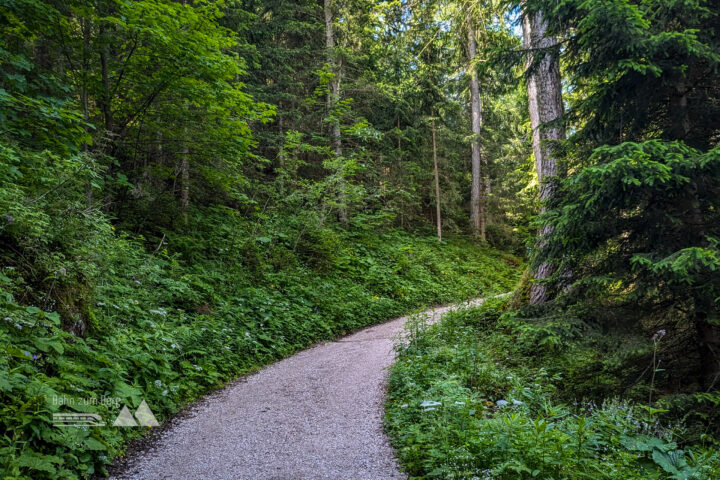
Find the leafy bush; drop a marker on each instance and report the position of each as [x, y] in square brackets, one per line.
[468, 401]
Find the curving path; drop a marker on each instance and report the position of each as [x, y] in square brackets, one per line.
[315, 415]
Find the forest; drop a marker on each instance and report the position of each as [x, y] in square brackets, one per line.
[193, 190]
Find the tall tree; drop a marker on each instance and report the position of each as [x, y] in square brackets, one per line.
[333, 95]
[637, 220]
[546, 110]
[477, 203]
[436, 174]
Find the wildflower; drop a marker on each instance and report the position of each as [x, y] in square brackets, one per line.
[9, 218]
[658, 335]
[158, 383]
[27, 354]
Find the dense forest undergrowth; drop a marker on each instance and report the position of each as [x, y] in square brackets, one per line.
[167, 327]
[482, 394]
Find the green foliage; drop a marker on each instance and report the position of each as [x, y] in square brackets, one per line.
[632, 231]
[169, 324]
[638, 231]
[467, 400]
[637, 67]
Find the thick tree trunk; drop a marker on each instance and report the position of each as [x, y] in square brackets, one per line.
[545, 99]
[708, 338]
[680, 115]
[438, 217]
[333, 97]
[477, 203]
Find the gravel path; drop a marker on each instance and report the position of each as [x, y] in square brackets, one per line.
[315, 415]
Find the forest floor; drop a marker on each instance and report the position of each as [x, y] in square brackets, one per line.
[315, 415]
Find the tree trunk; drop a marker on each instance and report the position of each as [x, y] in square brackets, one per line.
[708, 339]
[477, 204]
[84, 97]
[680, 115]
[184, 179]
[105, 77]
[332, 98]
[545, 100]
[438, 217]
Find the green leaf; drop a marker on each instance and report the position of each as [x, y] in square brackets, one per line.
[53, 317]
[45, 344]
[36, 461]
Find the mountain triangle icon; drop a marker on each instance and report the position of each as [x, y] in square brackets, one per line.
[145, 416]
[125, 419]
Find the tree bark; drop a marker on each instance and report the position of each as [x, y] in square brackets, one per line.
[106, 97]
[477, 203]
[546, 107]
[185, 179]
[438, 217]
[680, 115]
[332, 98]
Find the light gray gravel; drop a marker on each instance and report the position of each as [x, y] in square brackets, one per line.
[315, 415]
